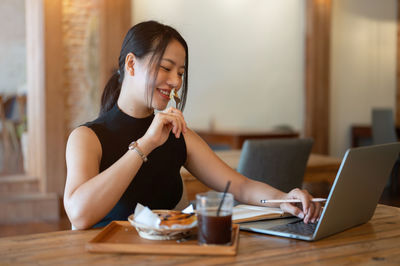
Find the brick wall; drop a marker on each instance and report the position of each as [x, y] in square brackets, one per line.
[81, 71]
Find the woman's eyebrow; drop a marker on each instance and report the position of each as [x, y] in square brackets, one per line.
[171, 61]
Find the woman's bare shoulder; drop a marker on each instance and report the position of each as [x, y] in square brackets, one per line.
[82, 133]
[84, 137]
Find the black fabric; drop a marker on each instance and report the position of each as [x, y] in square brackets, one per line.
[158, 183]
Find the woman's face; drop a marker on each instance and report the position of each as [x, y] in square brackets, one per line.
[169, 76]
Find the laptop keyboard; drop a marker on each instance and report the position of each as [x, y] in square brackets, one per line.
[298, 228]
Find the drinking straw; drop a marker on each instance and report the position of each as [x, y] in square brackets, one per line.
[223, 197]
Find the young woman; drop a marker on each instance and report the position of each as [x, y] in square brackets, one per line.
[131, 155]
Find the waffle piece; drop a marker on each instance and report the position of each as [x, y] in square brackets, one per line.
[174, 96]
[170, 218]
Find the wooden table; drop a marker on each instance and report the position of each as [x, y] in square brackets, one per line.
[321, 170]
[235, 138]
[375, 242]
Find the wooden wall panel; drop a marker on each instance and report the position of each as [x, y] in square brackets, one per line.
[35, 86]
[317, 94]
[115, 21]
[46, 130]
[54, 98]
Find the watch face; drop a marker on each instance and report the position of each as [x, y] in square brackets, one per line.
[132, 145]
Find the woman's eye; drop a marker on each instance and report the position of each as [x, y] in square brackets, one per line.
[169, 69]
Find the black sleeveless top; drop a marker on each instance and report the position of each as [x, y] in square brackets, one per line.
[158, 183]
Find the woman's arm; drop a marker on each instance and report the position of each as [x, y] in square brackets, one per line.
[204, 164]
[90, 195]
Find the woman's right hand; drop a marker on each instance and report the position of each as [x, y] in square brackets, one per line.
[310, 211]
[159, 130]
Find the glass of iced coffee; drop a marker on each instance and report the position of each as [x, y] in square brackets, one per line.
[214, 218]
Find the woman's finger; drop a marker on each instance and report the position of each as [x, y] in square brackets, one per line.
[178, 113]
[168, 119]
[317, 211]
[180, 125]
[303, 196]
[176, 123]
[292, 209]
[310, 213]
[172, 110]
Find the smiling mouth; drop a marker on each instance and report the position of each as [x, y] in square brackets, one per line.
[164, 93]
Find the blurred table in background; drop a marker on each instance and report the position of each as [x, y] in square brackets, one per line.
[361, 135]
[234, 139]
[319, 175]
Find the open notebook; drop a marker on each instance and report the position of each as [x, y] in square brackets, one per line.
[247, 213]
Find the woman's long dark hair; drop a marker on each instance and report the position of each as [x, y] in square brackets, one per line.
[142, 39]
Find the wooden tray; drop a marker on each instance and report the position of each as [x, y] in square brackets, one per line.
[122, 237]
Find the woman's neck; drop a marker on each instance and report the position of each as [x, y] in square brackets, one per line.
[134, 109]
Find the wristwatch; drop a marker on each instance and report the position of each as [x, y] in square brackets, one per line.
[134, 146]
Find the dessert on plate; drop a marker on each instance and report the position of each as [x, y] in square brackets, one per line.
[171, 218]
[163, 224]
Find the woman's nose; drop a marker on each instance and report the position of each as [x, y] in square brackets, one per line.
[174, 80]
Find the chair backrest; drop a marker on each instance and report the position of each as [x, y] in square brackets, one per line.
[383, 126]
[280, 163]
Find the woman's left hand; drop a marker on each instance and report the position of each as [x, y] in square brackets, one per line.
[310, 211]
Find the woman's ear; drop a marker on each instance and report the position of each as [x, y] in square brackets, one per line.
[130, 63]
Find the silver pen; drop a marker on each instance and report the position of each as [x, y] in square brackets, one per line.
[290, 200]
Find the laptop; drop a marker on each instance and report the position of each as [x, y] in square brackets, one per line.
[352, 200]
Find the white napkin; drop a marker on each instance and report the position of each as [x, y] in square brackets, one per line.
[188, 209]
[145, 216]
